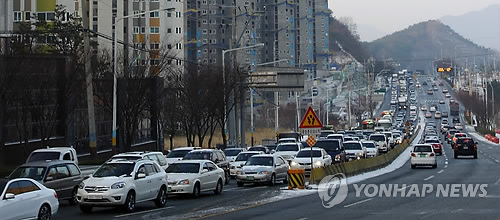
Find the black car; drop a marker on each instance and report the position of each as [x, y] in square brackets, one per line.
[424, 83]
[334, 148]
[214, 155]
[456, 120]
[465, 146]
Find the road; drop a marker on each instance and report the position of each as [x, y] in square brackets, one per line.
[484, 170]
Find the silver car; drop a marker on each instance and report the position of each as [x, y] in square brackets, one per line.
[264, 168]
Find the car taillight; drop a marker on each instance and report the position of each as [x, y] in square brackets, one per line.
[432, 155]
[413, 155]
[475, 147]
[55, 195]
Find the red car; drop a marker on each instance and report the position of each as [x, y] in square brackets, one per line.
[436, 145]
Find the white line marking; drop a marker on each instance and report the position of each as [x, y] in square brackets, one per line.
[302, 219]
[455, 211]
[497, 182]
[428, 178]
[145, 211]
[359, 202]
[497, 161]
[440, 171]
[446, 162]
[445, 166]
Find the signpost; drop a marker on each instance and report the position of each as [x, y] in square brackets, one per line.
[311, 126]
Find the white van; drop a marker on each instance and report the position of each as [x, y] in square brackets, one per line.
[53, 153]
[385, 124]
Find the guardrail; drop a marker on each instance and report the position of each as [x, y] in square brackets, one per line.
[355, 167]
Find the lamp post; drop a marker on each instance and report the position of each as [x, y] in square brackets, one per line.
[115, 63]
[224, 77]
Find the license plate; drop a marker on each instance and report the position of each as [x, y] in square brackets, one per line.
[466, 148]
[423, 155]
[95, 197]
[169, 189]
[250, 178]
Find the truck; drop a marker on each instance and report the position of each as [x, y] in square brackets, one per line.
[454, 108]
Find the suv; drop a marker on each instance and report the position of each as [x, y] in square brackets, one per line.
[334, 148]
[136, 155]
[178, 153]
[214, 155]
[122, 182]
[288, 150]
[53, 153]
[455, 138]
[381, 141]
[62, 176]
[465, 146]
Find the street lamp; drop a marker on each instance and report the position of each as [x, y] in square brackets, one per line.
[115, 63]
[224, 76]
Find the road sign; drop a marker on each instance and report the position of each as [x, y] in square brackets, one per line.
[310, 120]
[311, 141]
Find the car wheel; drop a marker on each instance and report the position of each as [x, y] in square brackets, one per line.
[455, 155]
[475, 155]
[285, 181]
[240, 184]
[161, 199]
[130, 202]
[86, 208]
[413, 166]
[196, 190]
[218, 188]
[73, 200]
[44, 213]
[273, 180]
[228, 177]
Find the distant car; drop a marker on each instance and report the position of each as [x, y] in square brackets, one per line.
[287, 140]
[455, 137]
[60, 175]
[334, 148]
[195, 176]
[432, 109]
[436, 144]
[428, 115]
[288, 150]
[371, 148]
[53, 153]
[456, 120]
[445, 90]
[232, 153]
[240, 160]
[465, 146]
[423, 155]
[178, 153]
[423, 108]
[150, 155]
[381, 141]
[447, 95]
[444, 114]
[259, 148]
[320, 158]
[459, 126]
[437, 115]
[354, 150]
[264, 168]
[435, 88]
[441, 101]
[336, 137]
[24, 198]
[216, 156]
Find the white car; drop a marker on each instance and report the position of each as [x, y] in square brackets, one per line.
[53, 153]
[232, 153]
[195, 176]
[241, 159]
[336, 137]
[320, 158]
[459, 126]
[179, 153]
[371, 148]
[151, 155]
[390, 140]
[121, 182]
[423, 155]
[397, 136]
[354, 150]
[288, 150]
[381, 141]
[432, 109]
[437, 115]
[24, 198]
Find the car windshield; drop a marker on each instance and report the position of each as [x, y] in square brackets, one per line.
[422, 149]
[377, 138]
[369, 145]
[178, 153]
[183, 168]
[307, 153]
[41, 156]
[287, 147]
[325, 133]
[232, 152]
[114, 169]
[35, 173]
[244, 156]
[259, 161]
[335, 137]
[332, 145]
[197, 156]
[263, 149]
[352, 146]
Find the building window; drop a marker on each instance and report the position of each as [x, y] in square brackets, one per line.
[154, 14]
[178, 14]
[169, 14]
[178, 30]
[213, 41]
[17, 16]
[143, 30]
[51, 16]
[136, 30]
[204, 12]
[136, 14]
[204, 41]
[205, 51]
[204, 21]
[154, 30]
[154, 46]
[169, 30]
[212, 51]
[27, 15]
[204, 31]
[204, 2]
[41, 16]
[213, 31]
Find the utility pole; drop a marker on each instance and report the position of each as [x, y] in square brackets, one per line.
[88, 80]
[349, 82]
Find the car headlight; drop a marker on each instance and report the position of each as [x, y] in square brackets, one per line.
[337, 157]
[81, 185]
[318, 163]
[293, 163]
[118, 185]
[360, 153]
[183, 182]
[263, 172]
[240, 172]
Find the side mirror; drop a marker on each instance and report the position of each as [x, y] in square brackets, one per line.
[204, 171]
[140, 176]
[476, 143]
[49, 178]
[10, 196]
[273, 151]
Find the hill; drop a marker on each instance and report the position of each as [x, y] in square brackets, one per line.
[418, 45]
[479, 26]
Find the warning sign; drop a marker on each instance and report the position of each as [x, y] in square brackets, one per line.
[311, 141]
[310, 120]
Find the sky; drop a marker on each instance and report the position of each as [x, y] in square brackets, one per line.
[388, 16]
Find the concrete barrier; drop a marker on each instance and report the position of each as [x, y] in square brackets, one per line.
[356, 167]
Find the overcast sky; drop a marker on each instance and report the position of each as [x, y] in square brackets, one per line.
[389, 16]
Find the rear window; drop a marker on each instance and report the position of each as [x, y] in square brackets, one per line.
[40, 156]
[128, 157]
[465, 140]
[332, 145]
[287, 147]
[178, 153]
[352, 146]
[432, 141]
[377, 138]
[307, 153]
[422, 149]
[369, 144]
[232, 152]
